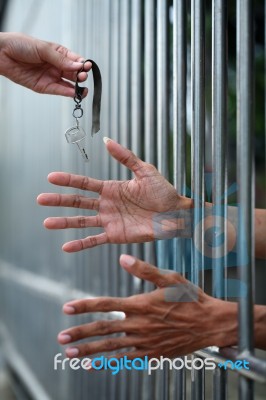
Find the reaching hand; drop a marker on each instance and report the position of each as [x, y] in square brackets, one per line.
[173, 320]
[125, 208]
[40, 66]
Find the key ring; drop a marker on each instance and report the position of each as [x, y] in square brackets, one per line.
[97, 95]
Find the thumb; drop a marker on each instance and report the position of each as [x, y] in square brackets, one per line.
[60, 57]
[148, 272]
[124, 156]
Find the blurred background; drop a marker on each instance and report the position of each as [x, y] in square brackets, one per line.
[124, 37]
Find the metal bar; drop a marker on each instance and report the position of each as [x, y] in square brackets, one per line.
[197, 154]
[179, 115]
[162, 86]
[219, 129]
[162, 133]
[162, 109]
[198, 128]
[245, 251]
[136, 76]
[179, 142]
[149, 104]
[219, 384]
[150, 82]
[219, 141]
[125, 77]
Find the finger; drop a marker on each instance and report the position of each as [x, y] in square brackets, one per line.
[124, 156]
[87, 243]
[67, 200]
[72, 222]
[97, 328]
[76, 181]
[72, 76]
[102, 346]
[100, 304]
[148, 272]
[61, 57]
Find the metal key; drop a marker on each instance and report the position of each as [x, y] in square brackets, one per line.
[76, 135]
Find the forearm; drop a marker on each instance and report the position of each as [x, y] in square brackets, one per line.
[179, 223]
[260, 233]
[260, 327]
[224, 324]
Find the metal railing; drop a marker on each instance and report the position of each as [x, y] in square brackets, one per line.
[159, 97]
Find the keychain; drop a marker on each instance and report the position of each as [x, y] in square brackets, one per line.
[76, 134]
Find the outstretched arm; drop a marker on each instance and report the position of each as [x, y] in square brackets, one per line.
[142, 209]
[38, 65]
[176, 319]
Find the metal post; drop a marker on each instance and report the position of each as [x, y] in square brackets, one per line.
[179, 141]
[162, 108]
[163, 130]
[245, 253]
[197, 154]
[219, 142]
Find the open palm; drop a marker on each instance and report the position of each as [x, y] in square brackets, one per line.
[125, 208]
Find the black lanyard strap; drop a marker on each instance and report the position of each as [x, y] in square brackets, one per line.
[97, 95]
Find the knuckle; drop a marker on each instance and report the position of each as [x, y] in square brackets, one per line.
[110, 344]
[92, 242]
[82, 222]
[76, 201]
[84, 183]
[77, 333]
[103, 327]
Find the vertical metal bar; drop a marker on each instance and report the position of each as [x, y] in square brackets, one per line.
[163, 132]
[197, 153]
[125, 70]
[219, 129]
[197, 128]
[149, 103]
[219, 142]
[245, 251]
[150, 82]
[179, 93]
[150, 61]
[179, 141]
[219, 384]
[114, 281]
[136, 122]
[162, 109]
[136, 77]
[162, 86]
[179, 115]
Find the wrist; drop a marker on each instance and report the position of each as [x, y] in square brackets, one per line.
[224, 319]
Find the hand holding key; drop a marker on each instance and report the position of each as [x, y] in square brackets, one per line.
[76, 135]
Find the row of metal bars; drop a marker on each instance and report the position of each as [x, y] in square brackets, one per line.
[156, 103]
[245, 93]
[126, 115]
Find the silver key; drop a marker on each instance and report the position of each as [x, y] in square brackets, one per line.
[76, 135]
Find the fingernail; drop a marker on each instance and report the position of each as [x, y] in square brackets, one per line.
[127, 260]
[64, 338]
[72, 351]
[69, 309]
[106, 139]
